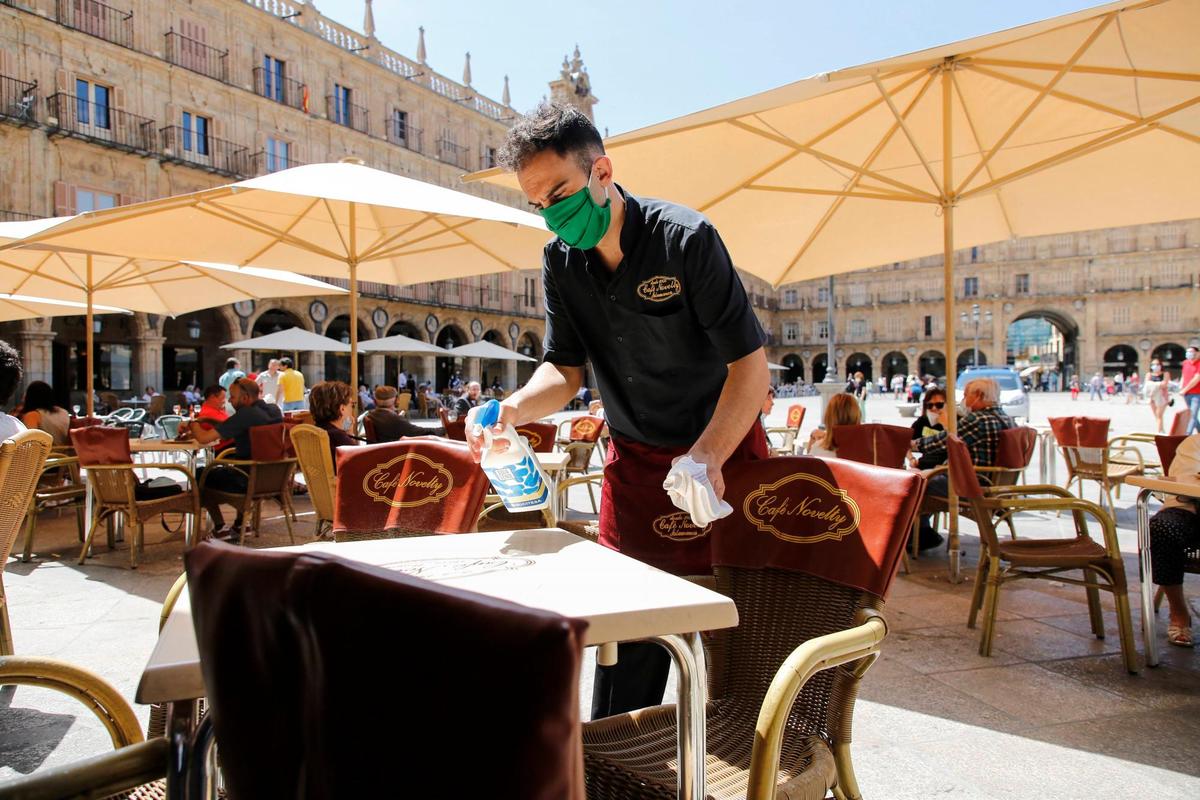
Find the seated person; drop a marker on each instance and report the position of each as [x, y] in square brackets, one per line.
[979, 430]
[469, 400]
[596, 409]
[10, 376]
[213, 407]
[40, 412]
[929, 422]
[332, 410]
[1174, 530]
[388, 425]
[842, 409]
[249, 412]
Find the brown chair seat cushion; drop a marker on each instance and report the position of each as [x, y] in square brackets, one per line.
[1051, 552]
[581, 523]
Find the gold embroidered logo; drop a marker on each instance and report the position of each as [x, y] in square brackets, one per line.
[659, 288]
[678, 527]
[803, 517]
[535, 438]
[421, 480]
[585, 429]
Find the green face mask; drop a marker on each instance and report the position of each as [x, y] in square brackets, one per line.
[579, 220]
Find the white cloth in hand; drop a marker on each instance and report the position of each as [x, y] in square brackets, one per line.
[689, 489]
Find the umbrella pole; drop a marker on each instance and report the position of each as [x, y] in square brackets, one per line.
[948, 290]
[353, 264]
[88, 336]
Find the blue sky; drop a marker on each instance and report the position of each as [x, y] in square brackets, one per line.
[653, 60]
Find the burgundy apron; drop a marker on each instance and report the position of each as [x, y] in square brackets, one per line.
[637, 517]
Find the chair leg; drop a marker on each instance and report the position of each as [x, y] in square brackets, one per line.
[981, 573]
[288, 514]
[1125, 628]
[91, 533]
[257, 512]
[135, 542]
[30, 527]
[1095, 610]
[991, 603]
[79, 513]
[905, 564]
[6, 640]
[846, 787]
[913, 547]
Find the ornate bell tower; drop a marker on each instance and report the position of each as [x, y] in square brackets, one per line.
[574, 86]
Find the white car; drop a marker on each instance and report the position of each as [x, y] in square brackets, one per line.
[1013, 397]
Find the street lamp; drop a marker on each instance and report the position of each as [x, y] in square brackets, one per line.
[974, 318]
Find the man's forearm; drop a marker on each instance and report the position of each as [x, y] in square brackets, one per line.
[551, 387]
[740, 402]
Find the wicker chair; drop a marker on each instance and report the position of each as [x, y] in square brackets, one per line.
[104, 453]
[403, 402]
[783, 682]
[288, 732]
[316, 464]
[134, 770]
[788, 433]
[541, 435]
[1167, 445]
[1048, 559]
[584, 524]
[268, 474]
[415, 487]
[1088, 453]
[578, 437]
[58, 485]
[21, 460]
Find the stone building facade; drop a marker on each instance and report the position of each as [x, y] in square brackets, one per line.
[109, 103]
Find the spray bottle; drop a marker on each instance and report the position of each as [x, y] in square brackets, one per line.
[515, 474]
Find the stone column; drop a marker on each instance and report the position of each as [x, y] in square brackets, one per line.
[1087, 351]
[147, 362]
[510, 377]
[312, 366]
[428, 371]
[471, 370]
[376, 366]
[37, 357]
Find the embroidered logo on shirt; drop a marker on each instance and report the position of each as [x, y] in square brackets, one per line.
[659, 288]
[678, 527]
[412, 477]
[803, 515]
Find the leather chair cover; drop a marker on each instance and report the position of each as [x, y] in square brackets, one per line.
[330, 679]
[835, 519]
[99, 446]
[963, 477]
[1167, 445]
[1179, 425]
[271, 442]
[540, 435]
[84, 422]
[1015, 448]
[586, 428]
[456, 429]
[872, 443]
[795, 416]
[418, 484]
[1091, 432]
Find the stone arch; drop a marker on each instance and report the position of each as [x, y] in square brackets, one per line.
[191, 348]
[273, 318]
[406, 327]
[932, 362]
[337, 365]
[966, 358]
[529, 344]
[820, 366]
[1121, 358]
[1017, 348]
[1171, 356]
[451, 334]
[795, 368]
[894, 363]
[860, 362]
[490, 369]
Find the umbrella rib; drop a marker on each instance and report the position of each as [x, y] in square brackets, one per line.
[1118, 72]
[1037, 101]
[299, 217]
[117, 277]
[906, 198]
[337, 228]
[1083, 101]
[404, 247]
[916, 76]
[1117, 136]
[979, 144]
[258, 227]
[384, 241]
[455, 230]
[35, 272]
[907, 132]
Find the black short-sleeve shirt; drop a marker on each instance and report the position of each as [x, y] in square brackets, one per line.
[660, 330]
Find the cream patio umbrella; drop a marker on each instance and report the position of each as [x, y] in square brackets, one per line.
[488, 350]
[167, 288]
[290, 339]
[1082, 121]
[401, 345]
[340, 220]
[19, 306]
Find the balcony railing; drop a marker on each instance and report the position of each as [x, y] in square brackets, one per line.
[18, 100]
[15, 216]
[281, 90]
[206, 152]
[98, 123]
[183, 51]
[347, 114]
[452, 153]
[404, 135]
[96, 19]
[263, 162]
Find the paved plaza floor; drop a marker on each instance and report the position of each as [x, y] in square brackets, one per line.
[1051, 713]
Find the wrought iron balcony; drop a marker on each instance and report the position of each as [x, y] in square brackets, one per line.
[263, 162]
[452, 153]
[18, 101]
[282, 90]
[69, 115]
[347, 114]
[183, 51]
[404, 135]
[206, 152]
[7, 215]
[96, 19]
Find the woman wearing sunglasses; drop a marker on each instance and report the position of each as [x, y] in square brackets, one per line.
[929, 422]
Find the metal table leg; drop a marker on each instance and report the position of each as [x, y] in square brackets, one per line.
[1143, 530]
[688, 652]
[181, 724]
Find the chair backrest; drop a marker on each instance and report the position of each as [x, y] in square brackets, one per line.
[1015, 448]
[21, 460]
[1179, 424]
[1167, 445]
[101, 446]
[271, 442]
[872, 443]
[1083, 441]
[455, 429]
[136, 415]
[368, 428]
[795, 416]
[122, 413]
[169, 425]
[85, 422]
[312, 452]
[158, 405]
[328, 730]
[540, 435]
[403, 401]
[586, 428]
[415, 486]
[298, 417]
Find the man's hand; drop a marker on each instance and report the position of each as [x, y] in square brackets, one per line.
[712, 469]
[508, 416]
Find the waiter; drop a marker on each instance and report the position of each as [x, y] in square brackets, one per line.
[645, 290]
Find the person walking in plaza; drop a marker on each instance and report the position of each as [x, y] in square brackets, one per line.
[1074, 387]
[268, 383]
[233, 371]
[645, 291]
[291, 386]
[1190, 387]
[1096, 387]
[1133, 388]
[1157, 388]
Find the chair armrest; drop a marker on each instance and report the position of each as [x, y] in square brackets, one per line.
[1027, 489]
[87, 687]
[99, 776]
[566, 483]
[815, 655]
[178, 468]
[1076, 506]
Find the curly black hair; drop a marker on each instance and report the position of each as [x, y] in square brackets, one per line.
[10, 371]
[551, 126]
[39, 396]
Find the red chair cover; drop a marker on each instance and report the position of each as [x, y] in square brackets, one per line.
[271, 442]
[1179, 425]
[311, 662]
[456, 429]
[540, 435]
[369, 430]
[872, 443]
[99, 446]
[84, 422]
[1080, 431]
[1167, 445]
[417, 484]
[1015, 449]
[586, 428]
[963, 477]
[836, 519]
[795, 416]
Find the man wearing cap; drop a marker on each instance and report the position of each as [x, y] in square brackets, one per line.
[645, 290]
[390, 426]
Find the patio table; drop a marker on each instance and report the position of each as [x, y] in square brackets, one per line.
[621, 598]
[1148, 486]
